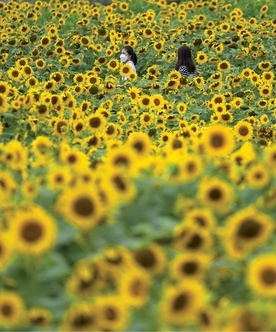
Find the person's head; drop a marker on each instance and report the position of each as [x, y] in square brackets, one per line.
[184, 55]
[128, 54]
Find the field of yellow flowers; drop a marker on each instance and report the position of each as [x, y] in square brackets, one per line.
[148, 205]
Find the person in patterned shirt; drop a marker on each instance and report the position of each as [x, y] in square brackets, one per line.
[185, 64]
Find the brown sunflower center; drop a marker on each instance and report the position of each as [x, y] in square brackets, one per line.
[250, 228]
[110, 314]
[145, 258]
[191, 167]
[95, 122]
[32, 231]
[138, 146]
[83, 206]
[215, 194]
[119, 182]
[189, 267]
[137, 287]
[243, 131]
[6, 310]
[180, 302]
[82, 321]
[217, 141]
[194, 242]
[269, 276]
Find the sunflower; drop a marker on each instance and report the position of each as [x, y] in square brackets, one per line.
[246, 230]
[261, 275]
[39, 317]
[3, 103]
[125, 70]
[246, 72]
[59, 50]
[145, 101]
[112, 314]
[207, 318]
[41, 145]
[117, 260]
[218, 99]
[243, 130]
[34, 231]
[4, 88]
[119, 185]
[201, 57]
[6, 249]
[134, 94]
[190, 167]
[140, 143]
[216, 194]
[11, 309]
[199, 82]
[24, 29]
[225, 117]
[181, 302]
[201, 218]
[58, 178]
[147, 119]
[92, 78]
[265, 65]
[158, 46]
[15, 155]
[26, 71]
[122, 157]
[182, 108]
[96, 122]
[265, 91]
[173, 83]
[58, 77]
[247, 318]
[257, 176]
[60, 127]
[219, 108]
[50, 85]
[158, 101]
[148, 33]
[85, 280]
[255, 79]
[190, 238]
[189, 266]
[134, 287]
[45, 41]
[53, 31]
[270, 157]
[81, 316]
[132, 76]
[152, 259]
[15, 74]
[113, 64]
[80, 207]
[267, 76]
[31, 82]
[218, 140]
[223, 66]
[79, 78]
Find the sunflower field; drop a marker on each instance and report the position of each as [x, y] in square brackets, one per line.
[139, 205]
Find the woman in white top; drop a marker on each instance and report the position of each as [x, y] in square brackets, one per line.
[129, 56]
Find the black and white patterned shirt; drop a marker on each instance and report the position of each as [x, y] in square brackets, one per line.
[184, 71]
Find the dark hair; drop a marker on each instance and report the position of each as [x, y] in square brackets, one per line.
[132, 54]
[185, 59]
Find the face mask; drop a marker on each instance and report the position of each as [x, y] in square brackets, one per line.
[123, 57]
